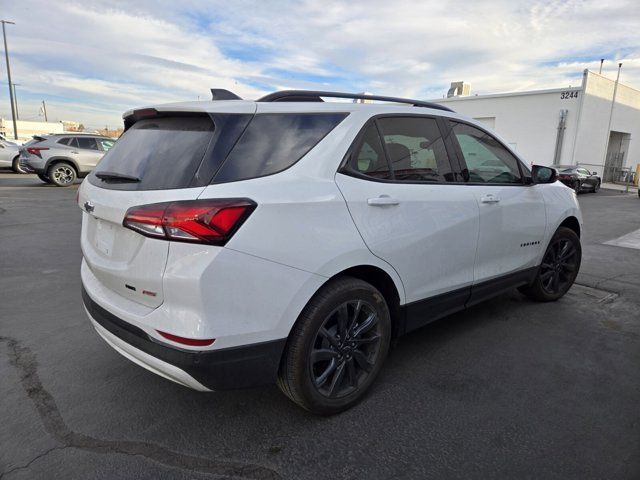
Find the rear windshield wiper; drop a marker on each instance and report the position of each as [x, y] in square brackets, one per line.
[116, 177]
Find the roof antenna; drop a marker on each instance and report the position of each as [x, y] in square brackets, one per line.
[601, 62]
[222, 94]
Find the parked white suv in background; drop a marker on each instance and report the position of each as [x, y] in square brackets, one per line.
[233, 243]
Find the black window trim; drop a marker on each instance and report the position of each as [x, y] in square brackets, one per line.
[357, 142]
[525, 174]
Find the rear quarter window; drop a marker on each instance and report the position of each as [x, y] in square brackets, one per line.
[275, 141]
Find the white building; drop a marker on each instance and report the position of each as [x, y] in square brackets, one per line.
[576, 125]
[26, 129]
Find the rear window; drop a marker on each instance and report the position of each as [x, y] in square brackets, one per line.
[162, 152]
[273, 142]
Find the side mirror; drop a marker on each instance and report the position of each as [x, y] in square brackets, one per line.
[542, 174]
[594, 173]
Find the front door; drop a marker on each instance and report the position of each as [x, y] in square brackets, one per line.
[512, 213]
[398, 185]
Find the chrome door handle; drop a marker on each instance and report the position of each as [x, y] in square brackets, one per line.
[382, 200]
[74, 152]
[490, 198]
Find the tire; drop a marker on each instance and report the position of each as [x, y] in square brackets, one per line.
[15, 166]
[596, 187]
[559, 267]
[325, 372]
[62, 174]
[44, 178]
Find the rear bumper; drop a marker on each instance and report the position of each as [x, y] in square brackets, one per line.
[27, 166]
[222, 369]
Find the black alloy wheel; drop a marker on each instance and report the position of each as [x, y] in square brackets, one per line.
[559, 267]
[337, 346]
[345, 349]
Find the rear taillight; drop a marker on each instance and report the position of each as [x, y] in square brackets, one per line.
[36, 150]
[196, 221]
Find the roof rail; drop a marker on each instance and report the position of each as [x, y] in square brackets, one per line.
[315, 96]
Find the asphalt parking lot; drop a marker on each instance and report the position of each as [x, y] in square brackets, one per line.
[507, 389]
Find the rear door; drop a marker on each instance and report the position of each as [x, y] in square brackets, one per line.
[163, 154]
[89, 154]
[6, 154]
[402, 193]
[512, 212]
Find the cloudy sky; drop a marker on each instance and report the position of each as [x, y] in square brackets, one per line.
[91, 60]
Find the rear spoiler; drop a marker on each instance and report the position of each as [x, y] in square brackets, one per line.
[222, 94]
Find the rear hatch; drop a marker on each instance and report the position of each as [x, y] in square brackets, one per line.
[168, 157]
[23, 150]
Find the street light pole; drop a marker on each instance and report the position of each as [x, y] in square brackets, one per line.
[6, 55]
[15, 100]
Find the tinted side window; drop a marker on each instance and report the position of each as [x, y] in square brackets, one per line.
[87, 143]
[64, 141]
[105, 144]
[273, 142]
[487, 160]
[416, 149]
[584, 171]
[370, 159]
[73, 142]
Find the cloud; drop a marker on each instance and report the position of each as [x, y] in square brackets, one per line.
[92, 61]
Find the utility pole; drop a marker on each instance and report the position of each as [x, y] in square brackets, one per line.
[601, 62]
[15, 100]
[613, 103]
[6, 55]
[44, 110]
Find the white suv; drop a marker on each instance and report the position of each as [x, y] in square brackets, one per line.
[232, 243]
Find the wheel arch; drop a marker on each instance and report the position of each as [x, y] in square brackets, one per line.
[54, 160]
[571, 223]
[382, 281]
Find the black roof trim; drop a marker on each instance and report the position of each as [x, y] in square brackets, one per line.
[316, 96]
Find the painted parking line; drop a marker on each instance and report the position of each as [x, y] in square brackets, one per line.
[630, 240]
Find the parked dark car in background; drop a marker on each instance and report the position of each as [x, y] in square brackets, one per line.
[578, 178]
